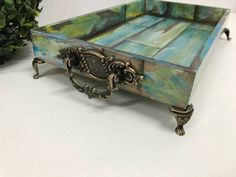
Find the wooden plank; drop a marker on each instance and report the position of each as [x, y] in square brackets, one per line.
[134, 9]
[146, 20]
[117, 35]
[185, 48]
[200, 26]
[156, 7]
[184, 11]
[209, 14]
[136, 48]
[212, 37]
[167, 84]
[161, 34]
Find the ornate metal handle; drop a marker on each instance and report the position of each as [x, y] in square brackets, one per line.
[99, 67]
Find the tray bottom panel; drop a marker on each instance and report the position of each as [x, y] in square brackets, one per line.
[171, 40]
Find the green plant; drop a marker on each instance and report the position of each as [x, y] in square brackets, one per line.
[17, 17]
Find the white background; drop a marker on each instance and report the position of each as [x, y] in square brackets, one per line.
[56, 10]
[48, 129]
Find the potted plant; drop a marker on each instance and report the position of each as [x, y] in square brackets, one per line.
[17, 17]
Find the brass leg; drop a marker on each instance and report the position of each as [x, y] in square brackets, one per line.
[227, 33]
[35, 63]
[182, 116]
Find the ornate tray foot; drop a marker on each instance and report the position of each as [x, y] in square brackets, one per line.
[182, 116]
[227, 33]
[35, 63]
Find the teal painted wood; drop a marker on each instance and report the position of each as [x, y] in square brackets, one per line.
[48, 46]
[135, 9]
[161, 34]
[170, 85]
[217, 30]
[169, 66]
[156, 7]
[209, 14]
[117, 35]
[87, 25]
[139, 49]
[146, 20]
[184, 11]
[184, 49]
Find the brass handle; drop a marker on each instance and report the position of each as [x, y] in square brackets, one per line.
[99, 67]
[92, 92]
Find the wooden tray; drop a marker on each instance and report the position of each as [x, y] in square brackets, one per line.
[148, 47]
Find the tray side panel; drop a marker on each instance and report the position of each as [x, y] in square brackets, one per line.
[156, 7]
[47, 47]
[87, 25]
[205, 55]
[167, 84]
[217, 31]
[209, 14]
[135, 9]
[202, 14]
[184, 11]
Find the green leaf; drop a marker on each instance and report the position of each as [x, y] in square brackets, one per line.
[28, 2]
[22, 21]
[13, 37]
[2, 20]
[7, 7]
[15, 46]
[12, 16]
[36, 12]
[10, 2]
[29, 24]
[7, 50]
[2, 37]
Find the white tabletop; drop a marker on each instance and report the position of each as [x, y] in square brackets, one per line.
[48, 129]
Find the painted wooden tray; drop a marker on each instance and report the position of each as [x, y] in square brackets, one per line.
[148, 47]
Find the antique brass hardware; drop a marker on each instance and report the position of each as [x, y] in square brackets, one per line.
[100, 67]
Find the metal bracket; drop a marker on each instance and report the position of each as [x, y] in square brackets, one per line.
[227, 33]
[182, 117]
[35, 63]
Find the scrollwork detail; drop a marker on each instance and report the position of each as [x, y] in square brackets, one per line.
[106, 68]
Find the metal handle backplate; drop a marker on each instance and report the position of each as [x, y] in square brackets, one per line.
[100, 67]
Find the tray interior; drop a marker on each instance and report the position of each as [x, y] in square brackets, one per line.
[160, 38]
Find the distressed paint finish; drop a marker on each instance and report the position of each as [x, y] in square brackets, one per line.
[212, 37]
[161, 34]
[185, 48]
[167, 84]
[184, 11]
[156, 7]
[87, 25]
[117, 35]
[47, 47]
[146, 20]
[209, 14]
[121, 33]
[139, 49]
[167, 50]
[135, 9]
